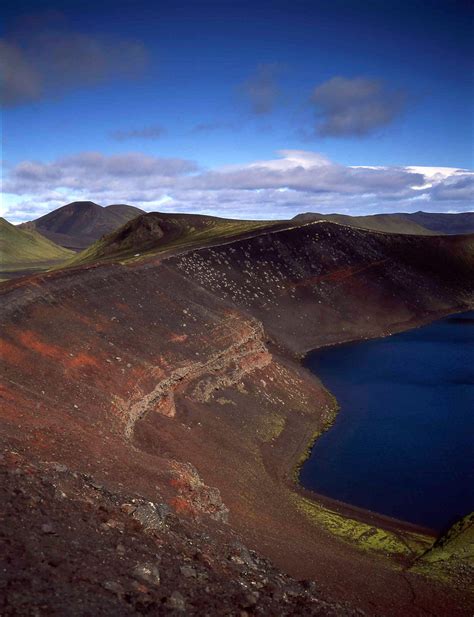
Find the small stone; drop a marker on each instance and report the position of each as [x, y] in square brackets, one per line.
[147, 572]
[47, 528]
[120, 549]
[114, 587]
[176, 601]
[113, 524]
[151, 516]
[59, 467]
[188, 572]
[238, 560]
[250, 599]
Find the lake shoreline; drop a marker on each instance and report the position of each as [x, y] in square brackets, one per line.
[344, 509]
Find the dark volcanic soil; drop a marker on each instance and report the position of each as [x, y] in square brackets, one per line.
[134, 377]
[74, 546]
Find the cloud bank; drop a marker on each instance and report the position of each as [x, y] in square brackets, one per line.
[295, 181]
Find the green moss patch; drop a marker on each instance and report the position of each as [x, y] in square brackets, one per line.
[451, 557]
[363, 535]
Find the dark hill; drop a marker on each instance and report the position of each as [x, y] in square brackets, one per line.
[440, 222]
[80, 223]
[388, 223]
[417, 223]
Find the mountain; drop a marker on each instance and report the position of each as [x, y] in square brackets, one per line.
[27, 250]
[388, 223]
[157, 411]
[418, 223]
[158, 232]
[80, 223]
[439, 222]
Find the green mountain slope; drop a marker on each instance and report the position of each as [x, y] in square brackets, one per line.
[156, 232]
[22, 249]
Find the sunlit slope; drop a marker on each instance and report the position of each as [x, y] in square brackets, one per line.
[24, 248]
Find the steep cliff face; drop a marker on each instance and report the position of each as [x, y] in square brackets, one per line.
[140, 374]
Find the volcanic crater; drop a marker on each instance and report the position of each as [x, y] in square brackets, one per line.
[167, 376]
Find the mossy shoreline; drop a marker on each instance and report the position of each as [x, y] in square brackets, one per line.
[367, 536]
[370, 531]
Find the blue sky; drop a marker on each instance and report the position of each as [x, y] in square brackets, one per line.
[208, 85]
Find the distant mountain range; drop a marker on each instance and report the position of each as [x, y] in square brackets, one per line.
[99, 233]
[460, 223]
[80, 223]
[418, 223]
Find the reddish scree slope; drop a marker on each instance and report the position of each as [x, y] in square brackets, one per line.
[130, 373]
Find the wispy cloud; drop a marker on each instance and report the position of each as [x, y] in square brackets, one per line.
[46, 57]
[210, 127]
[261, 88]
[153, 131]
[293, 182]
[354, 107]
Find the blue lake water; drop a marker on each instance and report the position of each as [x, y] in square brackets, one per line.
[403, 441]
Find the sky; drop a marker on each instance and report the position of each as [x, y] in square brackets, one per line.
[237, 109]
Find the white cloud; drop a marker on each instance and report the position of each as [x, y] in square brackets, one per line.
[293, 182]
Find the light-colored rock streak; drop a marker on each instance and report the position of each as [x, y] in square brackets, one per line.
[223, 369]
